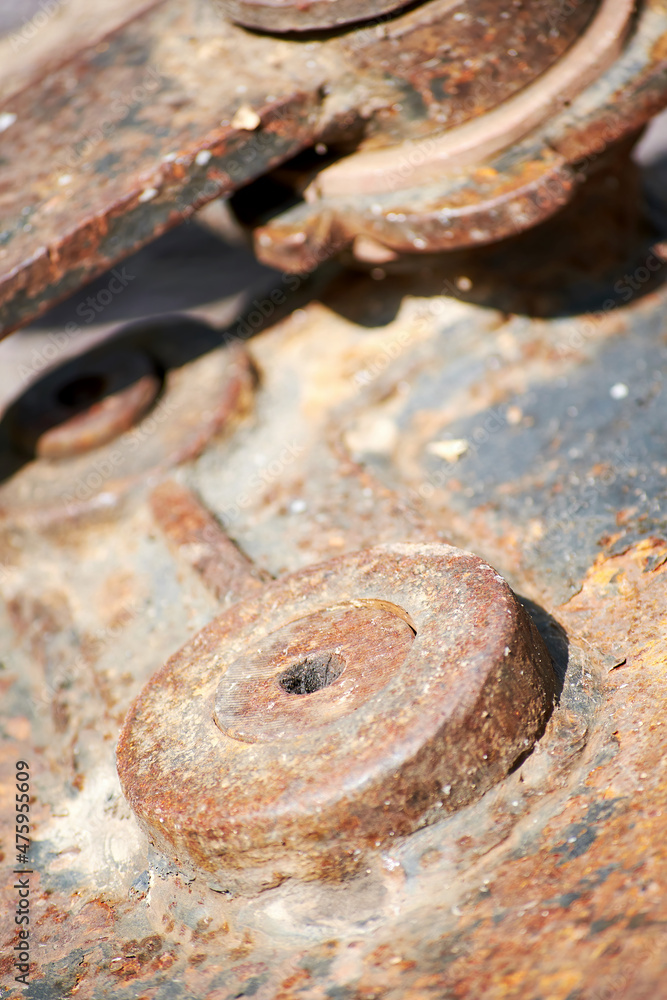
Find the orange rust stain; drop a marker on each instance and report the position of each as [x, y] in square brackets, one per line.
[659, 49]
[622, 604]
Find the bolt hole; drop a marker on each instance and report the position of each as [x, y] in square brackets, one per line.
[82, 391]
[312, 674]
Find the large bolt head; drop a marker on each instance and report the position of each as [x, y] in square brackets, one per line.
[346, 705]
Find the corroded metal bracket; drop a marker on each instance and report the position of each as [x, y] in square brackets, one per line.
[491, 177]
[180, 107]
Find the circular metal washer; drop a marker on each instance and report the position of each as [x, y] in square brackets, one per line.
[387, 744]
[84, 404]
[202, 384]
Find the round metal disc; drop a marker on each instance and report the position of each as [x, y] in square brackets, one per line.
[347, 704]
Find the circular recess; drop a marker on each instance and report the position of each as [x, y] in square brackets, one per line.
[337, 657]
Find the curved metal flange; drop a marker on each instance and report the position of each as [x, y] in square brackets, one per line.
[502, 194]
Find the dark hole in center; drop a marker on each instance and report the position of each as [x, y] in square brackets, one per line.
[312, 674]
[82, 391]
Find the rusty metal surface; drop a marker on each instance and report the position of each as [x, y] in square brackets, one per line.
[131, 149]
[143, 128]
[85, 404]
[558, 420]
[442, 683]
[550, 885]
[508, 400]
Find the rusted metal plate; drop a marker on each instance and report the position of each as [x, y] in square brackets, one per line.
[379, 171]
[132, 148]
[555, 423]
[551, 884]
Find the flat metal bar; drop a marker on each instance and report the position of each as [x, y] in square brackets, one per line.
[197, 540]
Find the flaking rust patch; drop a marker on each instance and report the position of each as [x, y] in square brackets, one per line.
[620, 609]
